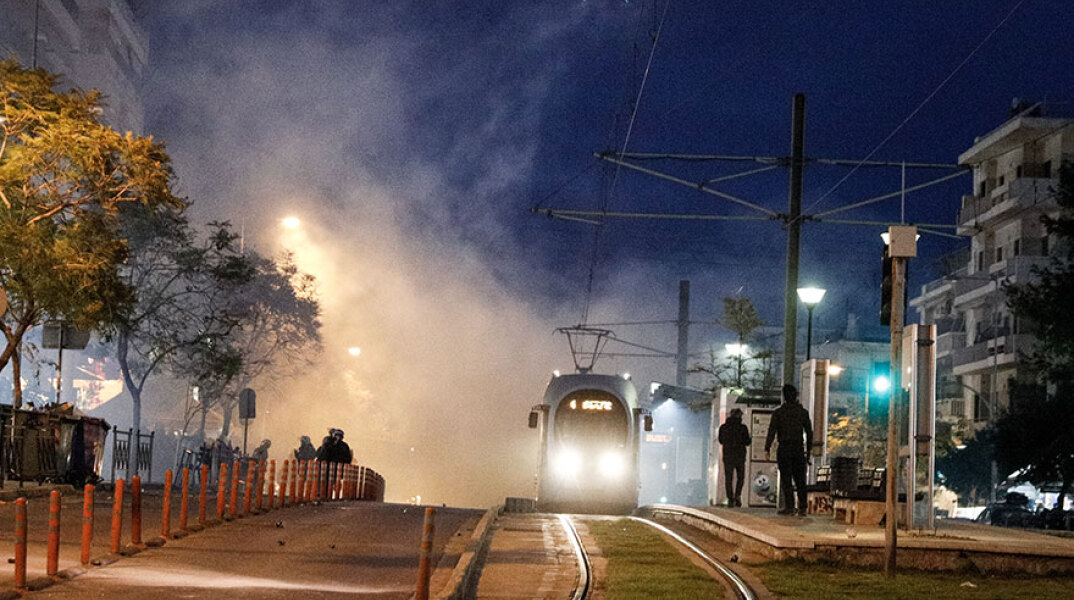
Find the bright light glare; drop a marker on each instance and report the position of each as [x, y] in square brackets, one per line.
[834, 370]
[736, 349]
[811, 296]
[568, 462]
[612, 464]
[881, 384]
[354, 350]
[291, 222]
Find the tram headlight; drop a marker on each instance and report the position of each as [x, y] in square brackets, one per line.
[612, 465]
[567, 462]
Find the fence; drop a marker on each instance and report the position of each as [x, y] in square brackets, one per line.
[121, 446]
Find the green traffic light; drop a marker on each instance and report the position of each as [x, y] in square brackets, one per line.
[881, 384]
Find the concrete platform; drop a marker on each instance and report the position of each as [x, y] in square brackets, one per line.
[953, 545]
[529, 557]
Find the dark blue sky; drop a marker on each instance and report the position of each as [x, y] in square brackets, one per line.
[432, 129]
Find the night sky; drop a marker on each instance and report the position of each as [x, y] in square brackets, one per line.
[413, 141]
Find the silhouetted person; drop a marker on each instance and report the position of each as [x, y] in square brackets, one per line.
[789, 423]
[734, 436]
[305, 450]
[261, 452]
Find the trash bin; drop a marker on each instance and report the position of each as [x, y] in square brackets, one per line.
[844, 475]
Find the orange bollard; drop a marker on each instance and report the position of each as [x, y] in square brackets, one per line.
[136, 511]
[117, 516]
[166, 508]
[233, 507]
[304, 466]
[260, 485]
[247, 492]
[52, 562]
[203, 494]
[184, 502]
[424, 570]
[20, 543]
[294, 481]
[283, 484]
[221, 492]
[87, 523]
[272, 484]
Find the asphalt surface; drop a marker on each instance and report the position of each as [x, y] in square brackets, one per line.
[332, 550]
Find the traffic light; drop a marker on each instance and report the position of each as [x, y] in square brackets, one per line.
[879, 392]
[885, 289]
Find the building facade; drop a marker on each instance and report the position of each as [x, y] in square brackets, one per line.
[93, 44]
[1015, 169]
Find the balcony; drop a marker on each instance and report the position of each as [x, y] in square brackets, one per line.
[1024, 192]
[949, 342]
[981, 356]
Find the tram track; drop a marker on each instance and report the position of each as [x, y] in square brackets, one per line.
[741, 590]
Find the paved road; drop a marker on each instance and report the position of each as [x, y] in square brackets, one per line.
[352, 549]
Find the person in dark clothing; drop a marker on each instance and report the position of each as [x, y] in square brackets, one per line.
[334, 449]
[734, 437]
[789, 422]
[305, 450]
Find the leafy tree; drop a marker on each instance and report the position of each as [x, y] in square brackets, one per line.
[1035, 434]
[740, 317]
[279, 326]
[183, 288]
[63, 176]
[967, 471]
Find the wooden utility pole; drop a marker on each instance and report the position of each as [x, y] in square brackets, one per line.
[902, 245]
[794, 227]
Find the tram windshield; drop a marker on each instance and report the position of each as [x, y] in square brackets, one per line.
[591, 418]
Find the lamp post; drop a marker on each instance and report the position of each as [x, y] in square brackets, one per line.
[811, 297]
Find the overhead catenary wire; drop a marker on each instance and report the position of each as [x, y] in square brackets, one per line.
[595, 250]
[920, 105]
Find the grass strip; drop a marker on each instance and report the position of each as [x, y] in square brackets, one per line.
[643, 565]
[794, 580]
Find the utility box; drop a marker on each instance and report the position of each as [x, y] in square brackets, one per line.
[762, 476]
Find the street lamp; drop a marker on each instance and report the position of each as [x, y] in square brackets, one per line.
[811, 297]
[291, 222]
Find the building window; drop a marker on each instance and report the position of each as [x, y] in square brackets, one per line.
[999, 254]
[1002, 179]
[1044, 249]
[1046, 169]
[1017, 247]
[1018, 172]
[980, 259]
[981, 188]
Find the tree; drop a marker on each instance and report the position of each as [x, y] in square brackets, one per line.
[279, 325]
[1034, 435]
[63, 176]
[183, 288]
[741, 318]
[967, 470]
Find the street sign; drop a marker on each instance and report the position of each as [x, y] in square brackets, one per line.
[247, 404]
[73, 339]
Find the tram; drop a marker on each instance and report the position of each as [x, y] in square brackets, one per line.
[589, 428]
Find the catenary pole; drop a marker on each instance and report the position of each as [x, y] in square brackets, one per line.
[794, 227]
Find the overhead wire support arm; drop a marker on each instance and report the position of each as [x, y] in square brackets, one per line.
[698, 186]
[579, 215]
[880, 198]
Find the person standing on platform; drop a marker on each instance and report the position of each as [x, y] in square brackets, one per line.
[790, 422]
[734, 436]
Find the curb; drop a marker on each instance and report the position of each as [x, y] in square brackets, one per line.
[462, 583]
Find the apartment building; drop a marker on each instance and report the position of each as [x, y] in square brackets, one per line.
[97, 44]
[1015, 168]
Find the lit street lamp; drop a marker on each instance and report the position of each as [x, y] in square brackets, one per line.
[811, 297]
[291, 222]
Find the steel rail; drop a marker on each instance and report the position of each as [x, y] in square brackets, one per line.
[742, 590]
[585, 577]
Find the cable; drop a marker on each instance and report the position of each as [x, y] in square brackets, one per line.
[919, 107]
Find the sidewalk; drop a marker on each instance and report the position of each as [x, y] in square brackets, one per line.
[953, 544]
[11, 490]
